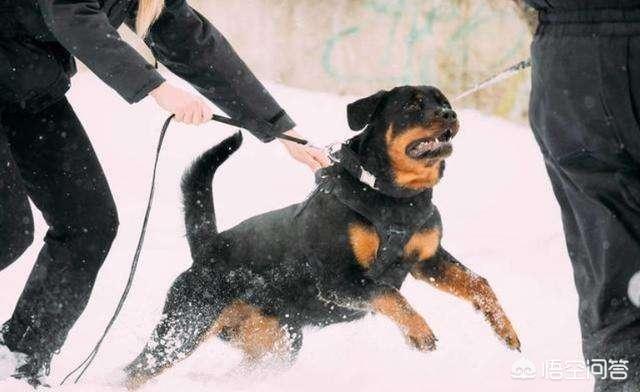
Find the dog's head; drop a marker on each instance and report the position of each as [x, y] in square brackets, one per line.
[408, 133]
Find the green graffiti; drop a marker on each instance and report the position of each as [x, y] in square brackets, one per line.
[416, 20]
[329, 47]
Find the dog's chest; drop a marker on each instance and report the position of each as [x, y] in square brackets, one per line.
[392, 252]
[385, 234]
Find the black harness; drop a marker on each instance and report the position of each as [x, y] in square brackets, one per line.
[395, 218]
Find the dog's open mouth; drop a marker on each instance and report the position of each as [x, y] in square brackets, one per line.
[431, 147]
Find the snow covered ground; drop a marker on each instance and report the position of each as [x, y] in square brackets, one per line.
[499, 218]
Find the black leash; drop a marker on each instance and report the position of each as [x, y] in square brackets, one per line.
[134, 265]
[84, 365]
[243, 125]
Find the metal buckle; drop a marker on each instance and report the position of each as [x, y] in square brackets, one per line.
[332, 150]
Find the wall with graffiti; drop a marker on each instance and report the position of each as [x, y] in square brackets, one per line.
[356, 47]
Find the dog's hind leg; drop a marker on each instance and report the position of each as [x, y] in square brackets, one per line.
[258, 335]
[189, 313]
[446, 273]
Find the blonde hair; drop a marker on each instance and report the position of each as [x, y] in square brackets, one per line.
[148, 12]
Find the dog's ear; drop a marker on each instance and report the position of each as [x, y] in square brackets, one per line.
[360, 112]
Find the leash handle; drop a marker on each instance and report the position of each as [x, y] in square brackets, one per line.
[293, 139]
[226, 120]
[240, 124]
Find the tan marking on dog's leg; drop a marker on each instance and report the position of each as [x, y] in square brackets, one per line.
[364, 242]
[456, 279]
[423, 244]
[256, 334]
[230, 317]
[250, 330]
[411, 173]
[260, 335]
[417, 332]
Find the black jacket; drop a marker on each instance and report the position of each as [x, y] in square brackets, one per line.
[41, 36]
[582, 4]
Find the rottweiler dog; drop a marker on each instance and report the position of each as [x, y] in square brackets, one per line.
[342, 253]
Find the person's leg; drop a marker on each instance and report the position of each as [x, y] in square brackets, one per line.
[16, 221]
[64, 179]
[595, 176]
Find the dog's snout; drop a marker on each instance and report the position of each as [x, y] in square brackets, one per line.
[450, 115]
[447, 114]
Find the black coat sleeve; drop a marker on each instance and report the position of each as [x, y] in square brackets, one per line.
[186, 43]
[84, 30]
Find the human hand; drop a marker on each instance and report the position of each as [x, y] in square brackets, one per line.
[187, 107]
[313, 157]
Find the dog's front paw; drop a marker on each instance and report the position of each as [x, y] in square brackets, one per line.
[422, 338]
[511, 338]
[513, 342]
[502, 326]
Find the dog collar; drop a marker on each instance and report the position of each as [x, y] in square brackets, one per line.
[343, 156]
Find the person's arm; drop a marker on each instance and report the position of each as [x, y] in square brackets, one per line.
[84, 30]
[186, 43]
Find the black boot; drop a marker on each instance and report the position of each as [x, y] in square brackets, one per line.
[34, 370]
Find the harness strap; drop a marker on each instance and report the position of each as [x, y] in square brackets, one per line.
[391, 249]
[395, 220]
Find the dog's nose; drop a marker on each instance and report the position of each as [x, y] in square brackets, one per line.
[447, 114]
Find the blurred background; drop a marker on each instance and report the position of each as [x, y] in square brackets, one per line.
[356, 47]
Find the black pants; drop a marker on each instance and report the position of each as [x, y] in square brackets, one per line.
[584, 112]
[47, 157]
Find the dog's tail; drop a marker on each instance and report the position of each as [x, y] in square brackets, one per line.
[199, 214]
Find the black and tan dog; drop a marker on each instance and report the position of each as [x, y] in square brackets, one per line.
[340, 254]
